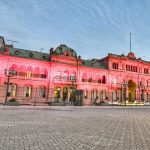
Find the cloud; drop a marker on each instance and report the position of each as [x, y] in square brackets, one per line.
[90, 26]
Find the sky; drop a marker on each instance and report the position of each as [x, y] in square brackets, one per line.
[93, 28]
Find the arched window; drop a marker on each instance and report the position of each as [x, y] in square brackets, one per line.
[12, 91]
[94, 95]
[29, 72]
[28, 91]
[84, 77]
[114, 95]
[42, 91]
[99, 78]
[22, 71]
[90, 77]
[94, 78]
[66, 75]
[103, 80]
[58, 75]
[114, 80]
[73, 76]
[43, 73]
[103, 95]
[36, 72]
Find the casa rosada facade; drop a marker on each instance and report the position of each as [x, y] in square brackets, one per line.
[62, 75]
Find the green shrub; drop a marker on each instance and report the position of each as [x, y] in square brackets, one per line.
[102, 103]
[12, 100]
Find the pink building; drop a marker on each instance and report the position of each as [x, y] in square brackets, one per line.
[62, 75]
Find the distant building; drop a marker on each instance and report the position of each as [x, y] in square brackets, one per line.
[62, 75]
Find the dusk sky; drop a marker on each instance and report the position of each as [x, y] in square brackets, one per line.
[92, 28]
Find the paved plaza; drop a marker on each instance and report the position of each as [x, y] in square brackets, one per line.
[74, 128]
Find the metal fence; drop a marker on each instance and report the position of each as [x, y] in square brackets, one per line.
[47, 96]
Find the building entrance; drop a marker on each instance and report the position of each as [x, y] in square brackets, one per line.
[131, 91]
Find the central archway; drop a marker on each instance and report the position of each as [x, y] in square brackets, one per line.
[131, 91]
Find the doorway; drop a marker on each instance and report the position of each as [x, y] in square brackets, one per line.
[131, 91]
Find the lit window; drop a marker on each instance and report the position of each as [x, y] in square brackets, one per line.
[28, 91]
[29, 74]
[14, 90]
[57, 92]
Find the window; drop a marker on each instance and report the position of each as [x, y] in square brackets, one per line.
[140, 70]
[43, 73]
[27, 91]
[57, 92]
[66, 75]
[86, 94]
[131, 68]
[36, 72]
[73, 76]
[103, 80]
[28, 74]
[58, 76]
[103, 95]
[115, 65]
[90, 77]
[42, 91]
[146, 71]
[84, 77]
[123, 67]
[43, 76]
[114, 80]
[22, 71]
[141, 84]
[14, 89]
[99, 81]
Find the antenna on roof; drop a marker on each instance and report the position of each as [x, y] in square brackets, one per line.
[13, 42]
[130, 42]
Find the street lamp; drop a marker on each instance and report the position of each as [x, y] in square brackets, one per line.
[8, 73]
[125, 84]
[72, 79]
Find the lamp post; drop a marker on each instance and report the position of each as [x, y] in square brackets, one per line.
[72, 79]
[124, 91]
[8, 73]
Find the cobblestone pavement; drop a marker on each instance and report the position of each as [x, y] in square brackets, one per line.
[74, 128]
